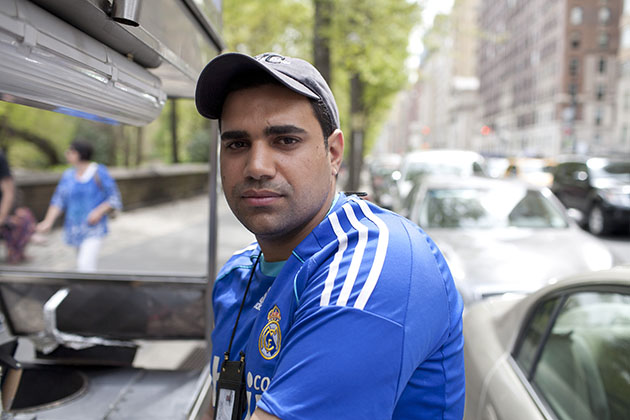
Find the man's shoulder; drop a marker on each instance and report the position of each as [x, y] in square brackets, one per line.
[354, 217]
[241, 260]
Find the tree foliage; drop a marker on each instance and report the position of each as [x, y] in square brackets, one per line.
[33, 137]
[258, 26]
[368, 38]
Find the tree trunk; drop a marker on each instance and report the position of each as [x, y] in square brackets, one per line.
[139, 141]
[321, 38]
[127, 151]
[174, 153]
[41, 143]
[357, 133]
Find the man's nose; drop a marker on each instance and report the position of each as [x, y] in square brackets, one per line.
[260, 161]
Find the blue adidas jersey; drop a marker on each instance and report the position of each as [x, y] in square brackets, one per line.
[362, 322]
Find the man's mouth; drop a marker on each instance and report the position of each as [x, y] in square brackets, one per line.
[260, 197]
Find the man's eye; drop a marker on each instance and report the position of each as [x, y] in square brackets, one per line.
[287, 140]
[236, 144]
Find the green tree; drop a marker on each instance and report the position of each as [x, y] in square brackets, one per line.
[258, 26]
[369, 53]
[366, 42]
[33, 137]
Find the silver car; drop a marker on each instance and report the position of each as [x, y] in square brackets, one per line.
[560, 353]
[502, 236]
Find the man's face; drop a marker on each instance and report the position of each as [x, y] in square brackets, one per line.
[278, 176]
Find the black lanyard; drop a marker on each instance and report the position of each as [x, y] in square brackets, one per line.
[231, 400]
[249, 282]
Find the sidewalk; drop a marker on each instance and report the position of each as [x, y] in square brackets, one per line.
[167, 238]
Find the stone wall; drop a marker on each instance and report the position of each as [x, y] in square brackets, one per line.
[138, 187]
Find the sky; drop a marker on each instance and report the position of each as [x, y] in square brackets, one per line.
[430, 8]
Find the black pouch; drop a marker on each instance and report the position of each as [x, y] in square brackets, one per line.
[231, 401]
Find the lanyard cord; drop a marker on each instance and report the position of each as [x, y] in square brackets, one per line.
[249, 282]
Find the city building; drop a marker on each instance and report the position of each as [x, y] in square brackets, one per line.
[547, 75]
[622, 128]
[449, 111]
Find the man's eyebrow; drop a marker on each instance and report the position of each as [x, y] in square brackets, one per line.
[283, 129]
[234, 134]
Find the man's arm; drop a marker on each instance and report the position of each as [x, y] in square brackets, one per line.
[51, 215]
[8, 195]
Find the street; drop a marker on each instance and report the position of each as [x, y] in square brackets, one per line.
[172, 238]
[167, 238]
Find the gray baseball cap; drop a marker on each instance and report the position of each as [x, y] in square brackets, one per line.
[294, 73]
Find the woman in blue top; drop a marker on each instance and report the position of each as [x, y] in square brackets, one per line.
[86, 193]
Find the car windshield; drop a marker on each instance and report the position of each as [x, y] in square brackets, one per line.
[604, 169]
[484, 208]
[417, 169]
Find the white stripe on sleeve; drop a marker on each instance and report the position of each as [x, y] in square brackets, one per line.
[342, 238]
[379, 258]
[357, 256]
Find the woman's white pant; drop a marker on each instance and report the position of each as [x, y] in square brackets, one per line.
[87, 255]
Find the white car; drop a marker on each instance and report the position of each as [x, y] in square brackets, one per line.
[502, 236]
[561, 353]
[418, 164]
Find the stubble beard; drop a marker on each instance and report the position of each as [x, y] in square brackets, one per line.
[281, 222]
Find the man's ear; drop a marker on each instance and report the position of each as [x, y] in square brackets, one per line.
[335, 150]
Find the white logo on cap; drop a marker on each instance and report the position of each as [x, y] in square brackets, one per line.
[273, 58]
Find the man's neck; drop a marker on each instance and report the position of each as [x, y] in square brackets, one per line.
[280, 249]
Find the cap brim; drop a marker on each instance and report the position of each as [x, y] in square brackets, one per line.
[214, 81]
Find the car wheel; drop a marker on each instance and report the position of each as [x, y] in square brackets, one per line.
[596, 221]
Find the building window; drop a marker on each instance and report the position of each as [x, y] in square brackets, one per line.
[625, 36]
[573, 90]
[599, 115]
[574, 66]
[601, 65]
[601, 92]
[577, 16]
[603, 39]
[576, 38]
[604, 15]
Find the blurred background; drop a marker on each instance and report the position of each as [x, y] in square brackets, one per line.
[528, 88]
[501, 127]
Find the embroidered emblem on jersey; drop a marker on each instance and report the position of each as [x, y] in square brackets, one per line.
[270, 336]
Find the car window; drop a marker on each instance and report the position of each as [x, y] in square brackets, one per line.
[584, 366]
[610, 170]
[535, 333]
[481, 208]
[567, 173]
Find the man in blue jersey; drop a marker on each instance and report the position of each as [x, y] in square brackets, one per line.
[340, 309]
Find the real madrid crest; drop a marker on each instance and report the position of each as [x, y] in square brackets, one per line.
[270, 336]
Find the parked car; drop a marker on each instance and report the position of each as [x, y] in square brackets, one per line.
[381, 168]
[599, 187]
[560, 353]
[537, 171]
[502, 236]
[418, 164]
[495, 166]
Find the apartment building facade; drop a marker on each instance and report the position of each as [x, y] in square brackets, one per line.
[547, 75]
[622, 128]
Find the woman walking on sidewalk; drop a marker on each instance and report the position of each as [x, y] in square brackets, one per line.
[86, 193]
